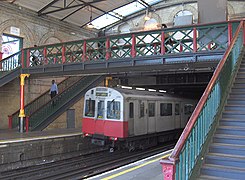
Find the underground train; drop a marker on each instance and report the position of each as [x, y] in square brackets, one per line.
[133, 119]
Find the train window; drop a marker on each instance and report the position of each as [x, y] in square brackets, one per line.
[177, 109]
[142, 109]
[165, 109]
[188, 109]
[131, 110]
[151, 108]
[113, 109]
[90, 108]
[101, 107]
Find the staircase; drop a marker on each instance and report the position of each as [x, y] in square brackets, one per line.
[226, 155]
[43, 99]
[46, 114]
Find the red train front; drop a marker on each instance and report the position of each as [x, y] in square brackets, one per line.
[103, 115]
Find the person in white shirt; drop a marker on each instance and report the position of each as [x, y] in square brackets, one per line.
[53, 90]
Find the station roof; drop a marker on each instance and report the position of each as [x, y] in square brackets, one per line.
[100, 13]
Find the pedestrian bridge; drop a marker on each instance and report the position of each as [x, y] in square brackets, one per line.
[188, 48]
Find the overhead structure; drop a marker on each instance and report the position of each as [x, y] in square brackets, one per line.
[79, 12]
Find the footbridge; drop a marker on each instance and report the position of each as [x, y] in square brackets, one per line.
[194, 48]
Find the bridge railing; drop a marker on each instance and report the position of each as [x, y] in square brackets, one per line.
[10, 63]
[188, 39]
[188, 150]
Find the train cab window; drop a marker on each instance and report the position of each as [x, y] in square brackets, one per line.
[151, 108]
[142, 109]
[165, 109]
[90, 108]
[177, 109]
[131, 110]
[188, 109]
[113, 109]
[101, 107]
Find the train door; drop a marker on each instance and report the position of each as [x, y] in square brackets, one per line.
[100, 116]
[177, 115]
[140, 122]
[151, 122]
[131, 116]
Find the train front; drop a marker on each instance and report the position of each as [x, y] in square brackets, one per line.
[103, 116]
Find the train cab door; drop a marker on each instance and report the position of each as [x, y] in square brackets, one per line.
[177, 115]
[140, 122]
[100, 116]
[151, 122]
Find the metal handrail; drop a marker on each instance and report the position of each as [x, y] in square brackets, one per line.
[187, 149]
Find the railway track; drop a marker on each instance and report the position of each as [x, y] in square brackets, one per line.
[83, 166]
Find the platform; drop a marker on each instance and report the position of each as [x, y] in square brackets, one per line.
[145, 169]
[13, 136]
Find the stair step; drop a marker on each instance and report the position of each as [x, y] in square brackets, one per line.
[237, 95]
[227, 149]
[232, 122]
[229, 139]
[223, 172]
[225, 160]
[236, 101]
[204, 177]
[231, 130]
[237, 90]
[234, 107]
[234, 115]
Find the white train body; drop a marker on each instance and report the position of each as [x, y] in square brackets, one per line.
[116, 113]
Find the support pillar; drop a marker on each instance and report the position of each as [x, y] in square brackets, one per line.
[22, 99]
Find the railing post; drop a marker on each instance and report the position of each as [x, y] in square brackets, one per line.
[229, 33]
[27, 123]
[45, 55]
[108, 53]
[22, 58]
[63, 54]
[163, 51]
[1, 57]
[194, 39]
[10, 118]
[55, 60]
[244, 33]
[181, 47]
[168, 169]
[133, 50]
[84, 51]
[28, 58]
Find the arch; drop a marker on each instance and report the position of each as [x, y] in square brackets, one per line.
[51, 35]
[186, 7]
[153, 15]
[230, 9]
[25, 32]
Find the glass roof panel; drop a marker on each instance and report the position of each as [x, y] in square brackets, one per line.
[121, 12]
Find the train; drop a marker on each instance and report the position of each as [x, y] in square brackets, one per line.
[133, 119]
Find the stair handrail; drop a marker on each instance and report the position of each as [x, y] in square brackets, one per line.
[31, 102]
[8, 60]
[169, 164]
[57, 97]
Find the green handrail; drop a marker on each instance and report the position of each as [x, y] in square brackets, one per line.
[10, 63]
[188, 39]
[187, 151]
[47, 110]
[37, 103]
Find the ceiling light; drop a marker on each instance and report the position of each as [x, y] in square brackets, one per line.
[147, 17]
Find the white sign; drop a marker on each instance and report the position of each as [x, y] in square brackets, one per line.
[15, 31]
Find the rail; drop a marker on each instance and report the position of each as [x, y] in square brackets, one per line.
[188, 149]
[10, 63]
[188, 39]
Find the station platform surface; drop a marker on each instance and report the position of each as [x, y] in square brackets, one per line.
[13, 136]
[145, 169]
